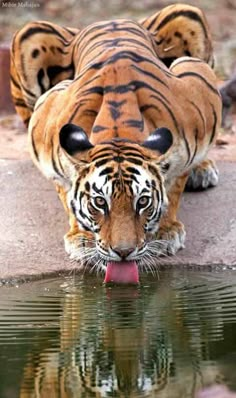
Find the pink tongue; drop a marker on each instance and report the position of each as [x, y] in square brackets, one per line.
[122, 272]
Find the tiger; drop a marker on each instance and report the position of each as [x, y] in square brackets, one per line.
[179, 30]
[118, 133]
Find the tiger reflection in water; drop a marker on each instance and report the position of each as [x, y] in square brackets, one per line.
[110, 347]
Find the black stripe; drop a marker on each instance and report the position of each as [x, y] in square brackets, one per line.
[87, 81]
[103, 161]
[148, 106]
[196, 146]
[33, 143]
[28, 92]
[126, 29]
[200, 115]
[61, 51]
[94, 90]
[115, 113]
[102, 157]
[104, 29]
[134, 160]
[186, 145]
[125, 39]
[84, 226]
[154, 171]
[120, 89]
[77, 107]
[100, 153]
[214, 124]
[63, 40]
[116, 104]
[15, 82]
[138, 124]
[54, 165]
[130, 178]
[133, 170]
[183, 13]
[76, 188]
[59, 160]
[32, 31]
[163, 102]
[135, 154]
[194, 74]
[39, 29]
[105, 171]
[82, 38]
[96, 189]
[70, 31]
[19, 102]
[149, 74]
[150, 25]
[73, 207]
[84, 216]
[97, 129]
[133, 56]
[161, 191]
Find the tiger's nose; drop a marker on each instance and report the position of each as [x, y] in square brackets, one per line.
[123, 252]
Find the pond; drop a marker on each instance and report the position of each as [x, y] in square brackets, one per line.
[75, 337]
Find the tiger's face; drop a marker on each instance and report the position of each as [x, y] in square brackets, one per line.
[120, 203]
[118, 194]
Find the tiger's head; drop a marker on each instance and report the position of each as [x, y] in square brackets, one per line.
[118, 195]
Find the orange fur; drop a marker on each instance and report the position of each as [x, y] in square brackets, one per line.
[116, 87]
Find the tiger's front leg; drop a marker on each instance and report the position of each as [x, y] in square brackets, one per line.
[75, 240]
[171, 233]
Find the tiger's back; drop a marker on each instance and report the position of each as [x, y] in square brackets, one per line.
[44, 54]
[121, 90]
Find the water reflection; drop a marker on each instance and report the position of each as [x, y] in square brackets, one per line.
[77, 338]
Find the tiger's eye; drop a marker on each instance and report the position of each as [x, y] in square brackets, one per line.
[99, 201]
[143, 201]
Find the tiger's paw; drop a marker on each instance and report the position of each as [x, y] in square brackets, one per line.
[171, 238]
[203, 176]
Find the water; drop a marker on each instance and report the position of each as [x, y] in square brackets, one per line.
[74, 337]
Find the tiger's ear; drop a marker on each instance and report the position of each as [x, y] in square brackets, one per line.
[160, 140]
[73, 139]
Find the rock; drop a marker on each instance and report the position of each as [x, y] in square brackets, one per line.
[228, 94]
[6, 104]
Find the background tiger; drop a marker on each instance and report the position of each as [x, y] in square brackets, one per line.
[119, 135]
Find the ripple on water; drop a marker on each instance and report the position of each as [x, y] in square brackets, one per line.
[77, 337]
